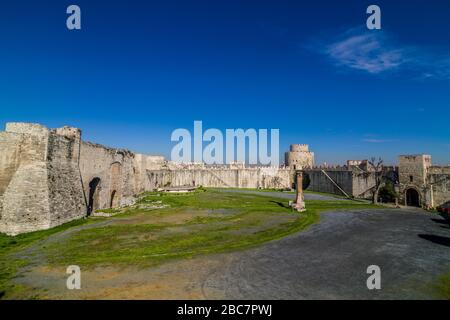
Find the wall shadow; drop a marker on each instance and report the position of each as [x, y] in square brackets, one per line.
[281, 204]
[440, 221]
[445, 241]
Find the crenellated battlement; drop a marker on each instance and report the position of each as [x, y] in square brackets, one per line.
[330, 167]
[26, 128]
[299, 148]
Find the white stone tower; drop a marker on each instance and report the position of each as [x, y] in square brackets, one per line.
[299, 157]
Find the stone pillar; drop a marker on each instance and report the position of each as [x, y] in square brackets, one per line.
[299, 203]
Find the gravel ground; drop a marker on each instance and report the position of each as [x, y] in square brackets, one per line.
[327, 261]
[330, 260]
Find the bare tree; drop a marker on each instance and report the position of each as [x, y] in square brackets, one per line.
[377, 167]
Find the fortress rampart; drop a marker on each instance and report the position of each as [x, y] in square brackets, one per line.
[349, 180]
[50, 176]
[258, 177]
[40, 185]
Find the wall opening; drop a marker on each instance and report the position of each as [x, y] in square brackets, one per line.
[412, 198]
[115, 186]
[94, 190]
[114, 202]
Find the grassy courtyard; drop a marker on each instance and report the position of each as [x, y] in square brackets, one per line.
[160, 227]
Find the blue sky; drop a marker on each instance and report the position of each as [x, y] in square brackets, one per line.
[140, 69]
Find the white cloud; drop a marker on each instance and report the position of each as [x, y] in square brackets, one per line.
[378, 140]
[364, 52]
[375, 52]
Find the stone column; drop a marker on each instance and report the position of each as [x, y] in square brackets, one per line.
[299, 203]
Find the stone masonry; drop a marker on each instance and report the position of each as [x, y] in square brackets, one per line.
[50, 176]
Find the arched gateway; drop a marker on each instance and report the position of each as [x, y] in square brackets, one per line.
[412, 198]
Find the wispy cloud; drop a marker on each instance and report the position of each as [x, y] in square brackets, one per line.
[376, 140]
[376, 52]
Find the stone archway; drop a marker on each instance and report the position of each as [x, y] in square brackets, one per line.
[94, 191]
[412, 197]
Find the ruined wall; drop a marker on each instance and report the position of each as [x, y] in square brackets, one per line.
[221, 177]
[34, 172]
[116, 171]
[121, 174]
[363, 184]
[439, 186]
[49, 177]
[355, 182]
[144, 163]
[66, 198]
[319, 182]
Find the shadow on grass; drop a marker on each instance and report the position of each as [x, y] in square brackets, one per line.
[281, 204]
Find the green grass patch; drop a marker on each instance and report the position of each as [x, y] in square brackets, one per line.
[442, 286]
[251, 220]
[9, 246]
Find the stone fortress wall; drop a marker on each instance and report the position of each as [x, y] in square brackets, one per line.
[50, 176]
[419, 183]
[341, 180]
[220, 177]
[439, 190]
[40, 185]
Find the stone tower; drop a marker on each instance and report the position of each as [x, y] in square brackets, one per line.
[299, 157]
[412, 174]
[40, 184]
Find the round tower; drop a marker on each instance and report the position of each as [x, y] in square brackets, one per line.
[299, 157]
